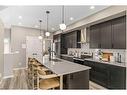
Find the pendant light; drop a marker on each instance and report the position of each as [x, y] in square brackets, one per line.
[47, 34]
[62, 25]
[40, 37]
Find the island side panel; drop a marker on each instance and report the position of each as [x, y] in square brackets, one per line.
[78, 80]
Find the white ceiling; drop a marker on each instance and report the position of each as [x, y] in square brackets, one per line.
[31, 15]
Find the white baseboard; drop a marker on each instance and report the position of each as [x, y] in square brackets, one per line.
[10, 76]
[19, 68]
[1, 81]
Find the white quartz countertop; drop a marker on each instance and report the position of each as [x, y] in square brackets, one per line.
[66, 55]
[64, 67]
[123, 64]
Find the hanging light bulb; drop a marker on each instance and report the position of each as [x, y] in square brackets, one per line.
[47, 34]
[40, 36]
[62, 25]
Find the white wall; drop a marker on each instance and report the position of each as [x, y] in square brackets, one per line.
[1, 49]
[18, 37]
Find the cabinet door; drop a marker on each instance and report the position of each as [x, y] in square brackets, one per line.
[95, 36]
[105, 32]
[117, 77]
[119, 33]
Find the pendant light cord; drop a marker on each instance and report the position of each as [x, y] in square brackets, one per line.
[63, 14]
[40, 26]
[47, 12]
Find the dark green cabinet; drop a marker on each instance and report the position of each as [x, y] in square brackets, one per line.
[109, 35]
[109, 76]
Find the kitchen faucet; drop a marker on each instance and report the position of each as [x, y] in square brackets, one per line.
[51, 53]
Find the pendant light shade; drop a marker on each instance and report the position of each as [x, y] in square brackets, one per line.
[40, 36]
[62, 25]
[47, 34]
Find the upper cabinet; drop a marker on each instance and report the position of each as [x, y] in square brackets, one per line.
[70, 40]
[119, 33]
[105, 35]
[109, 35]
[95, 36]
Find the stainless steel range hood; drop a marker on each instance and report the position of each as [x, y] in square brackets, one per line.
[83, 36]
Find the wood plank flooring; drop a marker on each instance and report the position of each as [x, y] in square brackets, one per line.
[20, 81]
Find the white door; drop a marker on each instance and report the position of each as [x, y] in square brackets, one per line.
[34, 48]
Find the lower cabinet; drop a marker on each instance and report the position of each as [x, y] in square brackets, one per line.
[78, 80]
[67, 58]
[109, 76]
[117, 78]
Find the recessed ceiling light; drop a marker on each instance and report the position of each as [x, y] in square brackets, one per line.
[36, 26]
[92, 7]
[71, 18]
[20, 17]
[53, 28]
[19, 23]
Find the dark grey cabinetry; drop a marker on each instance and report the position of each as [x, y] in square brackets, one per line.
[70, 40]
[106, 35]
[119, 33]
[78, 80]
[67, 58]
[109, 35]
[99, 73]
[117, 78]
[95, 36]
[109, 76]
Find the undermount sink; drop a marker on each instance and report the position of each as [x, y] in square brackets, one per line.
[56, 60]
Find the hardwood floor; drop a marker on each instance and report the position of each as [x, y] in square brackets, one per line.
[20, 81]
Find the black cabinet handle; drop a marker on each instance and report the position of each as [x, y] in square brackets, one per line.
[112, 46]
[99, 45]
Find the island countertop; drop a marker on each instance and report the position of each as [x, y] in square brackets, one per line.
[63, 67]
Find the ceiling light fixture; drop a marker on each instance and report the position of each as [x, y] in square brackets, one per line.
[19, 23]
[71, 18]
[20, 17]
[92, 7]
[40, 36]
[47, 34]
[62, 25]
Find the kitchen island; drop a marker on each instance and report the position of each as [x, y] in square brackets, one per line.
[72, 75]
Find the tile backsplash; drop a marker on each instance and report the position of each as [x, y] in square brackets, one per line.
[85, 48]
